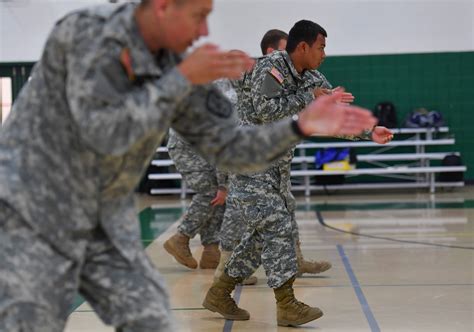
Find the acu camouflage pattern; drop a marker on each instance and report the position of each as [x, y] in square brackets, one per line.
[264, 198]
[227, 87]
[28, 262]
[264, 98]
[201, 217]
[78, 139]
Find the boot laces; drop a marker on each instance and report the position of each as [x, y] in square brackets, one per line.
[230, 304]
[186, 249]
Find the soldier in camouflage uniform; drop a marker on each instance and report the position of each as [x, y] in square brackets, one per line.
[106, 89]
[202, 216]
[280, 85]
[233, 225]
[206, 211]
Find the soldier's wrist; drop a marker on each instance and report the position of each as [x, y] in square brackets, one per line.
[296, 127]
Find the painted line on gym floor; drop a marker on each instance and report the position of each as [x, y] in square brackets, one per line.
[172, 309]
[369, 285]
[374, 327]
[229, 323]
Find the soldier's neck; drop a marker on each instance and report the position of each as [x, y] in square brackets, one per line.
[144, 19]
[296, 62]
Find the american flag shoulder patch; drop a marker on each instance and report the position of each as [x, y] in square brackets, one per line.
[277, 75]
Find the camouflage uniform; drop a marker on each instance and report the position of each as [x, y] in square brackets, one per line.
[204, 179]
[233, 226]
[201, 217]
[75, 145]
[263, 200]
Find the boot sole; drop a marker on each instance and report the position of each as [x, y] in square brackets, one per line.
[213, 308]
[171, 251]
[299, 322]
[303, 271]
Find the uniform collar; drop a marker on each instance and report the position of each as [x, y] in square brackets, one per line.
[291, 66]
[144, 63]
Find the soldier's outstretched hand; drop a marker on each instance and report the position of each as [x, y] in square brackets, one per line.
[207, 63]
[381, 135]
[346, 97]
[326, 116]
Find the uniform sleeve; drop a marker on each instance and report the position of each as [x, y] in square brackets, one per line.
[205, 119]
[315, 79]
[270, 100]
[324, 83]
[222, 178]
[111, 112]
[365, 136]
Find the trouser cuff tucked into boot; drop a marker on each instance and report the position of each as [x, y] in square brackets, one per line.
[290, 311]
[178, 247]
[305, 266]
[210, 256]
[225, 255]
[218, 299]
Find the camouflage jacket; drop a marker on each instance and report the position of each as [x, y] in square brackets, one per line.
[83, 130]
[175, 141]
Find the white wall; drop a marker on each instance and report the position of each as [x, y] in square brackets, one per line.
[354, 26]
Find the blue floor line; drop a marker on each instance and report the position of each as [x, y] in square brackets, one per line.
[229, 323]
[374, 326]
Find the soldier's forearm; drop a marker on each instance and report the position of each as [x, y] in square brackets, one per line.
[365, 136]
[281, 107]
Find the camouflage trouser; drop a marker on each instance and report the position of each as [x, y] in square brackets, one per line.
[38, 285]
[200, 218]
[268, 239]
[233, 225]
[291, 205]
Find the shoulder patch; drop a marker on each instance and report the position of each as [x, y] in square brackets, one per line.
[277, 75]
[218, 104]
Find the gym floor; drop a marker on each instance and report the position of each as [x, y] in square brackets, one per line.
[390, 284]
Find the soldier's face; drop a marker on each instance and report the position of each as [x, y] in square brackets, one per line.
[315, 54]
[185, 22]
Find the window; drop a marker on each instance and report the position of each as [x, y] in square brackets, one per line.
[5, 97]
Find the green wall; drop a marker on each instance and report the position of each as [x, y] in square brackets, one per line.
[440, 81]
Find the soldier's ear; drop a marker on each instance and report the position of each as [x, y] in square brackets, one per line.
[160, 6]
[302, 47]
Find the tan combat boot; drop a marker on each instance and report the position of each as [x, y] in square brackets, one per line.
[290, 311]
[210, 256]
[225, 255]
[218, 299]
[312, 267]
[178, 247]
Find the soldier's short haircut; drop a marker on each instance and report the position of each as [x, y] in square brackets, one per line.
[271, 39]
[304, 31]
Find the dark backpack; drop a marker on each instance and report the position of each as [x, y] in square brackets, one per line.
[451, 160]
[386, 113]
